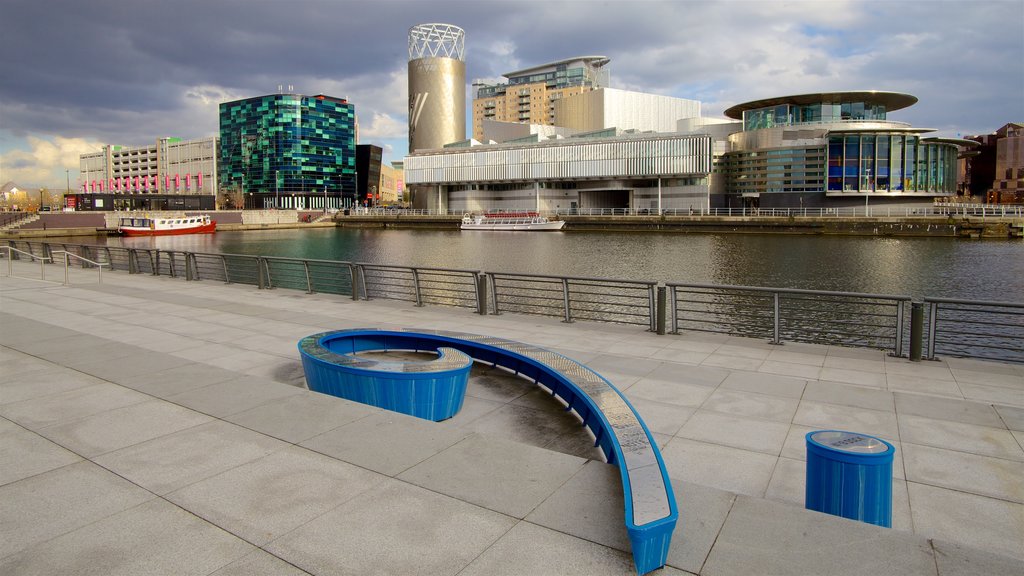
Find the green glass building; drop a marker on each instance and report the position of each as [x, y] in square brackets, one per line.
[289, 151]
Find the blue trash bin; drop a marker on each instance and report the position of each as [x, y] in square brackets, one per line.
[850, 475]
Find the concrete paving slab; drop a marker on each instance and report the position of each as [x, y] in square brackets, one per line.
[768, 384]
[526, 425]
[529, 549]
[994, 394]
[24, 454]
[764, 537]
[728, 360]
[935, 370]
[396, 529]
[752, 404]
[170, 462]
[853, 376]
[996, 525]
[166, 383]
[982, 475]
[41, 507]
[259, 563]
[736, 431]
[71, 405]
[860, 363]
[961, 437]
[668, 392]
[721, 467]
[153, 538]
[496, 384]
[387, 442]
[131, 367]
[685, 374]
[506, 477]
[849, 395]
[269, 497]
[121, 427]
[1007, 379]
[1013, 418]
[964, 411]
[794, 370]
[44, 380]
[925, 385]
[623, 365]
[302, 416]
[829, 416]
[660, 417]
[234, 396]
[958, 560]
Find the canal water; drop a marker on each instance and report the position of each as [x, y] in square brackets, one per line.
[916, 267]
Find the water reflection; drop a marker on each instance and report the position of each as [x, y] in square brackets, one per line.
[991, 270]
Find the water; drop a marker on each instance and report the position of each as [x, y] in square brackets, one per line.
[916, 267]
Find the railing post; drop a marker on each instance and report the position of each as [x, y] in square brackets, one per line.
[494, 295]
[267, 276]
[224, 263]
[480, 280]
[661, 310]
[309, 283]
[362, 282]
[195, 266]
[672, 300]
[260, 281]
[416, 287]
[353, 271]
[900, 315]
[565, 300]
[775, 331]
[916, 330]
[933, 321]
[188, 267]
[155, 261]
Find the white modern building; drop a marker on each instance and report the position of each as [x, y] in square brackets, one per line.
[623, 109]
[609, 169]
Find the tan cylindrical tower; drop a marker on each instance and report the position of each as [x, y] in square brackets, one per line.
[437, 85]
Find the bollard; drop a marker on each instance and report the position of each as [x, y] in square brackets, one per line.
[849, 475]
[916, 330]
[662, 304]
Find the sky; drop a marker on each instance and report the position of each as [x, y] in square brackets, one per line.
[75, 75]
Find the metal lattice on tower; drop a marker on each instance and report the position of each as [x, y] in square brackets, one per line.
[437, 40]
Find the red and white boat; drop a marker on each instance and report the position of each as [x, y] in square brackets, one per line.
[171, 226]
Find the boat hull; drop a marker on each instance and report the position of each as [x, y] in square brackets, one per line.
[524, 227]
[203, 229]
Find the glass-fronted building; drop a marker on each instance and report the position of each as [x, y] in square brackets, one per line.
[289, 151]
[834, 149]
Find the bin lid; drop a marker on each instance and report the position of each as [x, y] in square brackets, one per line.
[849, 442]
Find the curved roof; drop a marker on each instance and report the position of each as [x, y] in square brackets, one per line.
[962, 142]
[596, 61]
[891, 100]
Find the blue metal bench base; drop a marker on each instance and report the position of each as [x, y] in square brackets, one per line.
[650, 507]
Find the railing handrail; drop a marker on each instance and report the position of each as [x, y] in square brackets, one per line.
[24, 253]
[975, 302]
[865, 295]
[647, 283]
[82, 258]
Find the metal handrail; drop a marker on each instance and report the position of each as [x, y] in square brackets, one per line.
[12, 255]
[68, 255]
[1001, 324]
[839, 317]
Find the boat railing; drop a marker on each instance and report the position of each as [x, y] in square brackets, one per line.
[942, 326]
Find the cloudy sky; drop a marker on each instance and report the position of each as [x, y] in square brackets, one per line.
[77, 74]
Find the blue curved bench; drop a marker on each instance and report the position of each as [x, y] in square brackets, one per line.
[650, 507]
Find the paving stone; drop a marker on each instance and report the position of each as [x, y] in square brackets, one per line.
[964, 411]
[397, 528]
[45, 380]
[1013, 418]
[736, 431]
[849, 395]
[805, 371]
[170, 462]
[668, 392]
[503, 476]
[764, 537]
[961, 437]
[41, 507]
[267, 498]
[700, 375]
[299, 417]
[908, 383]
[717, 466]
[751, 404]
[769, 384]
[71, 405]
[171, 381]
[994, 394]
[153, 538]
[982, 475]
[958, 560]
[951, 515]
[234, 396]
[24, 454]
[528, 549]
[526, 425]
[386, 442]
[858, 377]
[660, 417]
[259, 563]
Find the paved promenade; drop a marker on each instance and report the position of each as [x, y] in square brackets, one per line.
[150, 425]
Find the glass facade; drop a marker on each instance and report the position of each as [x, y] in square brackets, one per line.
[882, 162]
[289, 144]
[793, 114]
[773, 171]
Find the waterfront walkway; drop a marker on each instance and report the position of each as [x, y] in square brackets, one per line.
[150, 425]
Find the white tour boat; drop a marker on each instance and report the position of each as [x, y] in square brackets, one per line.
[170, 226]
[509, 221]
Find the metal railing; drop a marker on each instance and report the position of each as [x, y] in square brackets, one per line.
[575, 298]
[778, 315]
[979, 329]
[86, 263]
[975, 328]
